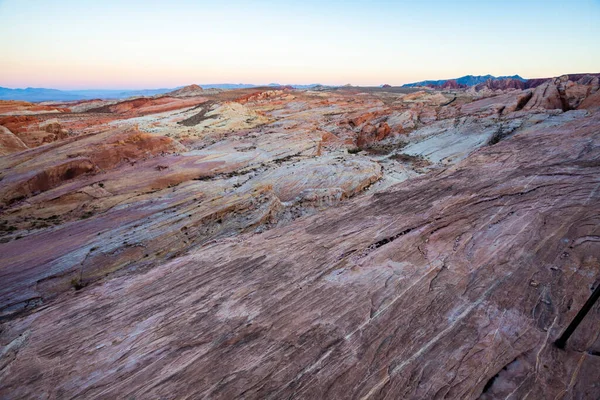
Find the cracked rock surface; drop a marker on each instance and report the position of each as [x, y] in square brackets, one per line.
[268, 261]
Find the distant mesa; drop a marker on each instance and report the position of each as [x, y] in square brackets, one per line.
[386, 86]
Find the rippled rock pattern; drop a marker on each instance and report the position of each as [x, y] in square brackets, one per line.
[278, 247]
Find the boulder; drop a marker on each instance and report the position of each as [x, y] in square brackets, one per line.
[546, 96]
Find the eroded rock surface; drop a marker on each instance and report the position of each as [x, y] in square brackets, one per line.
[346, 243]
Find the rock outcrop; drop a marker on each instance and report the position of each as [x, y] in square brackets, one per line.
[370, 134]
[546, 96]
[144, 105]
[500, 104]
[591, 103]
[187, 91]
[10, 143]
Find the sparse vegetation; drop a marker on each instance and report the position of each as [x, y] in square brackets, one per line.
[77, 284]
[417, 161]
[87, 214]
[5, 228]
[498, 136]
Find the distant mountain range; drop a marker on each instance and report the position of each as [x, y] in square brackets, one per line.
[467, 80]
[43, 94]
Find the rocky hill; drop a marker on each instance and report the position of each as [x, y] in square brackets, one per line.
[187, 91]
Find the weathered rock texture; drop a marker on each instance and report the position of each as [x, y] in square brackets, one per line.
[258, 252]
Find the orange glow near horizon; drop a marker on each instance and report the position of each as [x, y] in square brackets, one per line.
[162, 45]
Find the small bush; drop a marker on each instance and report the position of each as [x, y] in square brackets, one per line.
[76, 284]
[87, 214]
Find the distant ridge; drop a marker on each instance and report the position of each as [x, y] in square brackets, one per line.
[465, 81]
[42, 94]
[38, 94]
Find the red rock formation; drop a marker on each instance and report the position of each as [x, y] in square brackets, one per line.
[144, 105]
[18, 124]
[361, 119]
[451, 84]
[131, 146]
[370, 134]
[33, 131]
[502, 84]
[107, 152]
[273, 96]
[20, 186]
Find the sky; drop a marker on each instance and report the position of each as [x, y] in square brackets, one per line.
[118, 44]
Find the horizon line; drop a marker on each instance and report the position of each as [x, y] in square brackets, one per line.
[271, 84]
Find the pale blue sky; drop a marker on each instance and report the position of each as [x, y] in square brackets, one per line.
[144, 44]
